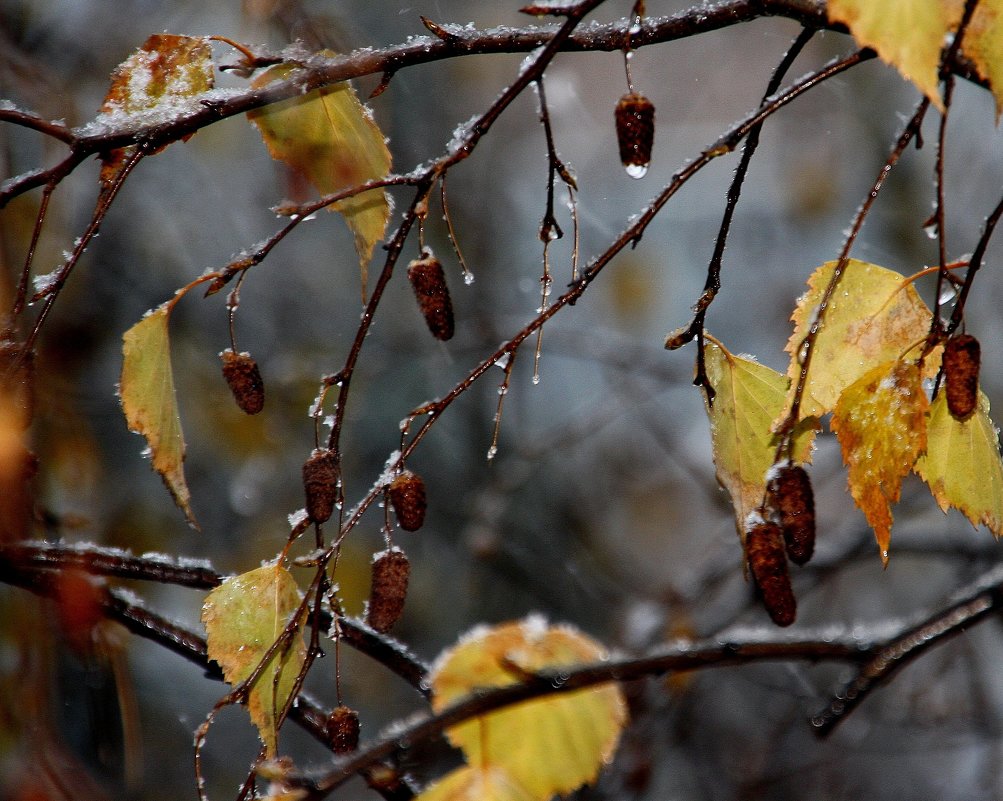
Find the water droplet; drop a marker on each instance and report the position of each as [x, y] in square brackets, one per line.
[636, 170]
[492, 452]
[468, 278]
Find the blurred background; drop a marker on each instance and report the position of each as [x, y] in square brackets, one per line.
[600, 509]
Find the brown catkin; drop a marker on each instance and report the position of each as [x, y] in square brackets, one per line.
[407, 496]
[391, 570]
[429, 284]
[343, 729]
[790, 494]
[635, 129]
[764, 547]
[244, 379]
[962, 357]
[320, 483]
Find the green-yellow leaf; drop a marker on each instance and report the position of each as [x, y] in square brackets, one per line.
[749, 397]
[476, 784]
[546, 746]
[880, 421]
[243, 617]
[962, 464]
[872, 318]
[161, 76]
[146, 389]
[332, 140]
[908, 34]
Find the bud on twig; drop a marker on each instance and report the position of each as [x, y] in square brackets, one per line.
[244, 379]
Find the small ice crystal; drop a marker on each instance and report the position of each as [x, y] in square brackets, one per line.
[636, 170]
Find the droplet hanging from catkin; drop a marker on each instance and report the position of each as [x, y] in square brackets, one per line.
[635, 132]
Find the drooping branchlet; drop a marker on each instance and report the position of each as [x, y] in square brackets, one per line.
[962, 357]
[407, 496]
[244, 379]
[764, 548]
[789, 493]
[343, 729]
[635, 132]
[429, 284]
[391, 571]
[320, 483]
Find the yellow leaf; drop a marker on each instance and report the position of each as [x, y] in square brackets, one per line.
[749, 398]
[908, 34]
[880, 421]
[243, 617]
[983, 44]
[547, 746]
[476, 784]
[160, 76]
[331, 139]
[962, 464]
[872, 318]
[146, 389]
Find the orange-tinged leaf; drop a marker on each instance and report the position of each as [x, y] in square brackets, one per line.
[546, 746]
[161, 76]
[243, 617]
[962, 464]
[908, 34]
[880, 421]
[146, 389]
[471, 783]
[749, 398]
[330, 138]
[872, 318]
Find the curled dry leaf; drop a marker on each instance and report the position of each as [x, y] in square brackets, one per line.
[158, 80]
